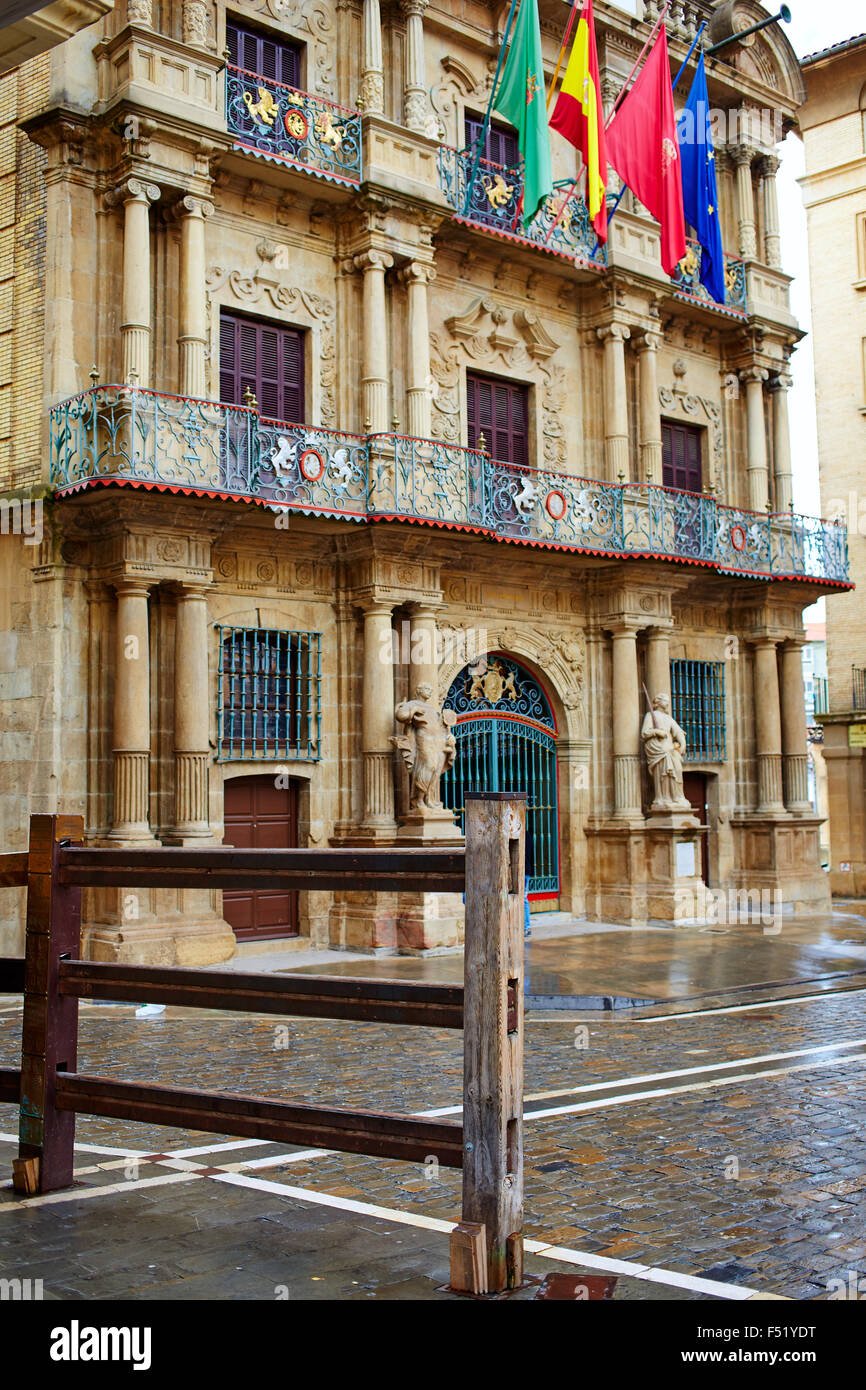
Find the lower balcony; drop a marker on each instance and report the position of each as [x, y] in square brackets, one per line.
[495, 204]
[127, 436]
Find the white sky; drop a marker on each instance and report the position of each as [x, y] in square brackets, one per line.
[812, 27]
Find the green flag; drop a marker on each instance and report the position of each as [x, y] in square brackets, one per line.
[521, 100]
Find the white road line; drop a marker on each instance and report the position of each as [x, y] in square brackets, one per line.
[81, 1194]
[749, 1008]
[664, 1075]
[217, 1148]
[681, 1090]
[91, 1148]
[559, 1253]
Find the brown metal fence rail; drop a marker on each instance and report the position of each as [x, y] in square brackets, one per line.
[487, 1245]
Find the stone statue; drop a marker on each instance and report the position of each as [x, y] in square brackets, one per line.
[665, 744]
[428, 747]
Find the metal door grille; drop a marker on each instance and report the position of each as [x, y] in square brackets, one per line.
[499, 748]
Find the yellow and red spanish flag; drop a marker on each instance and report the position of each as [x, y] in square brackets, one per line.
[579, 116]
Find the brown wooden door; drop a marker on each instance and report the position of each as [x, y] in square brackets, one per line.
[695, 791]
[259, 815]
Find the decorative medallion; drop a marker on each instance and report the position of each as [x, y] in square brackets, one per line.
[311, 465]
[406, 575]
[556, 504]
[304, 575]
[266, 571]
[227, 566]
[738, 538]
[296, 123]
[168, 549]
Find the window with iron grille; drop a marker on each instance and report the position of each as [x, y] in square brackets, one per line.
[698, 706]
[499, 410]
[270, 694]
[266, 359]
[257, 52]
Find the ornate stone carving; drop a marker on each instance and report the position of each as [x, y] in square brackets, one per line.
[315, 20]
[290, 300]
[195, 25]
[428, 747]
[664, 743]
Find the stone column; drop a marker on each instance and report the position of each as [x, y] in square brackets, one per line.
[650, 424]
[783, 476]
[193, 297]
[754, 378]
[139, 11]
[423, 665]
[191, 716]
[135, 327]
[616, 401]
[768, 728]
[795, 754]
[377, 719]
[416, 278]
[626, 724]
[658, 662]
[375, 340]
[372, 96]
[195, 29]
[415, 80]
[742, 157]
[131, 741]
[772, 241]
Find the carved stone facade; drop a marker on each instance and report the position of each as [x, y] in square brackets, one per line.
[158, 222]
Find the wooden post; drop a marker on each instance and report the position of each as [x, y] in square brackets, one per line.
[493, 1041]
[50, 1029]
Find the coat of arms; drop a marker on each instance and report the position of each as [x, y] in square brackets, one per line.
[491, 683]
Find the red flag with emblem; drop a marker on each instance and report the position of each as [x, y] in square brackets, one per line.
[642, 146]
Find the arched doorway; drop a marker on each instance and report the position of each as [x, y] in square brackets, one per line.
[506, 741]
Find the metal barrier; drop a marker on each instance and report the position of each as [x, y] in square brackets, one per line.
[487, 1245]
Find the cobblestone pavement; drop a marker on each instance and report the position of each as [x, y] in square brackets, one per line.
[723, 1143]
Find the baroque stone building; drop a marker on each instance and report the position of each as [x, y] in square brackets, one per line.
[833, 121]
[322, 423]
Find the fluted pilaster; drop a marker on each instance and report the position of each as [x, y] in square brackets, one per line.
[759, 481]
[193, 296]
[417, 277]
[377, 718]
[372, 95]
[373, 264]
[131, 734]
[614, 337]
[650, 425]
[742, 157]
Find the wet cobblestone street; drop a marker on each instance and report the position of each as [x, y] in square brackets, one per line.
[681, 1148]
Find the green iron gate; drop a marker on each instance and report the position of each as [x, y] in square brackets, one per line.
[506, 741]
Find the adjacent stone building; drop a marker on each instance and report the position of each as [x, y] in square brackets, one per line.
[833, 122]
[322, 423]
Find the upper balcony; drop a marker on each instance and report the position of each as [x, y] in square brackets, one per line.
[127, 436]
[288, 126]
[495, 204]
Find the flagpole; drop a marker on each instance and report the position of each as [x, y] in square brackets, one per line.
[688, 56]
[683, 66]
[481, 138]
[575, 6]
[659, 21]
[623, 90]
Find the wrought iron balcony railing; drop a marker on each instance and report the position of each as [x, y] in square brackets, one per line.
[687, 278]
[496, 203]
[126, 435]
[289, 126]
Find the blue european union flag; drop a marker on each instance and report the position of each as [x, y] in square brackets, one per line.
[700, 195]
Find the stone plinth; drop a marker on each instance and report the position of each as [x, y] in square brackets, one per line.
[651, 872]
[782, 857]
